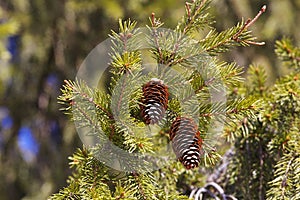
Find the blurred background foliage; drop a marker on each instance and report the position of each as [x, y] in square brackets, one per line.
[44, 42]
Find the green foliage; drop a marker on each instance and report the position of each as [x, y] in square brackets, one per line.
[89, 181]
[289, 54]
[285, 184]
[56, 35]
[266, 160]
[196, 82]
[126, 56]
[197, 17]
[220, 42]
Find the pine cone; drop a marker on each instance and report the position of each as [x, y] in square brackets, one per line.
[154, 101]
[186, 141]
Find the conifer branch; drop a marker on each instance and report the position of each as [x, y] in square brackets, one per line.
[125, 46]
[84, 104]
[239, 35]
[155, 24]
[120, 105]
[256, 80]
[287, 52]
[273, 135]
[202, 86]
[75, 89]
[285, 177]
[181, 49]
[196, 16]
[140, 187]
[248, 23]
[234, 109]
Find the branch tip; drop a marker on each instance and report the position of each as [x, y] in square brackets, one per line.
[264, 8]
[248, 23]
[188, 9]
[256, 43]
[261, 11]
[153, 18]
[67, 82]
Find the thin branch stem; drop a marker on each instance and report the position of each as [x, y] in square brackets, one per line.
[86, 116]
[121, 94]
[201, 87]
[232, 111]
[248, 23]
[155, 35]
[136, 177]
[192, 18]
[284, 179]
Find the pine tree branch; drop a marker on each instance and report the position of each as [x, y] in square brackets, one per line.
[125, 46]
[232, 109]
[192, 19]
[86, 96]
[155, 25]
[140, 187]
[210, 155]
[195, 17]
[256, 80]
[248, 23]
[119, 104]
[287, 52]
[239, 35]
[181, 42]
[290, 53]
[284, 178]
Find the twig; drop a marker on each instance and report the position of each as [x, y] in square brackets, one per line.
[188, 10]
[284, 179]
[155, 35]
[248, 23]
[84, 95]
[262, 10]
[153, 19]
[140, 187]
[192, 18]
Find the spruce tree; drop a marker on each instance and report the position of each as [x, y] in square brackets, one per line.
[200, 87]
[264, 163]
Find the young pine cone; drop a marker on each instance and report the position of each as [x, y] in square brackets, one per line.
[154, 101]
[186, 141]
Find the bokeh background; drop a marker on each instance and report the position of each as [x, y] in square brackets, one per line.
[43, 42]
